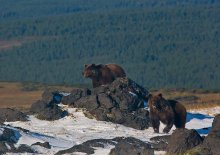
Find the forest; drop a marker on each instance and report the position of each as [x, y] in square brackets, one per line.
[160, 44]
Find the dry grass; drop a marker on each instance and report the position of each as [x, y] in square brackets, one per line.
[13, 95]
[193, 99]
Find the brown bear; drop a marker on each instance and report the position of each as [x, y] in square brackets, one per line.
[102, 74]
[168, 112]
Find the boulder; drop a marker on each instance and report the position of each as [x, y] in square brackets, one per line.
[160, 143]
[88, 146]
[132, 146]
[45, 145]
[11, 115]
[123, 146]
[75, 95]
[47, 108]
[23, 148]
[182, 140]
[3, 147]
[47, 111]
[9, 135]
[211, 144]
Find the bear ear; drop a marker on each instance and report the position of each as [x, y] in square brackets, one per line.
[160, 95]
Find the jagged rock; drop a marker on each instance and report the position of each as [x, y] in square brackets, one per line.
[160, 143]
[47, 108]
[122, 145]
[24, 149]
[9, 135]
[75, 95]
[45, 145]
[11, 115]
[88, 146]
[182, 140]
[132, 146]
[211, 144]
[119, 102]
[89, 102]
[47, 111]
[3, 147]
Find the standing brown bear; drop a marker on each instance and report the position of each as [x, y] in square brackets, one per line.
[168, 112]
[103, 74]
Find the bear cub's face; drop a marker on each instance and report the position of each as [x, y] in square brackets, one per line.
[90, 71]
[157, 102]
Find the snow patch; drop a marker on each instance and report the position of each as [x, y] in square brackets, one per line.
[1, 131]
[76, 129]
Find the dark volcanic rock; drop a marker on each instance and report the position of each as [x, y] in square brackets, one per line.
[11, 115]
[89, 102]
[3, 147]
[211, 144]
[182, 140]
[47, 111]
[160, 143]
[46, 145]
[75, 95]
[9, 135]
[47, 108]
[88, 146]
[120, 102]
[132, 146]
[23, 149]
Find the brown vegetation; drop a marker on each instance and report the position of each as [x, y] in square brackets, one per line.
[21, 96]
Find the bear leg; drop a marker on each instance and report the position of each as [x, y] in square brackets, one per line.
[155, 123]
[168, 127]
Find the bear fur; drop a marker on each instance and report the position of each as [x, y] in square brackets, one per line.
[168, 112]
[103, 74]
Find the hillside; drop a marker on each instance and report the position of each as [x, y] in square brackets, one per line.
[170, 45]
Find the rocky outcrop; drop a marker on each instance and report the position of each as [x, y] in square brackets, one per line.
[75, 95]
[123, 146]
[121, 102]
[132, 146]
[47, 108]
[11, 115]
[182, 140]
[45, 144]
[8, 138]
[211, 144]
[160, 143]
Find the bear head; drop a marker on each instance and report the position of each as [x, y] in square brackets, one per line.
[91, 71]
[157, 102]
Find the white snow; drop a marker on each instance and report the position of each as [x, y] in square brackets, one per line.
[208, 111]
[1, 131]
[76, 129]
